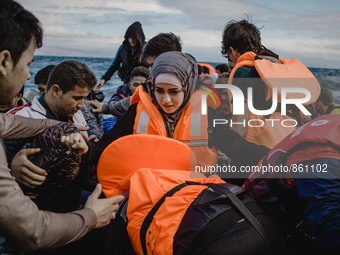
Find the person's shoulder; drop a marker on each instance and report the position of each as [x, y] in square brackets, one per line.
[246, 72]
[122, 92]
[123, 87]
[22, 110]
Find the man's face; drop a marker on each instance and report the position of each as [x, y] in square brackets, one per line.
[135, 82]
[41, 88]
[67, 104]
[13, 78]
[150, 60]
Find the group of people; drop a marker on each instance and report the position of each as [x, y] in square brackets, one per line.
[162, 95]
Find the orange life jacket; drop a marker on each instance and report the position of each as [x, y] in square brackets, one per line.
[210, 67]
[146, 187]
[126, 166]
[287, 73]
[191, 129]
[129, 153]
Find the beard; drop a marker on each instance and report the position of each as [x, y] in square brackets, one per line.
[7, 95]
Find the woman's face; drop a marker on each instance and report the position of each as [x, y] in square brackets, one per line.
[169, 97]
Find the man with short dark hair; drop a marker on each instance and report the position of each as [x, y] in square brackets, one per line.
[159, 44]
[69, 84]
[21, 221]
[41, 78]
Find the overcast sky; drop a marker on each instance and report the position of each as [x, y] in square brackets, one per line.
[306, 29]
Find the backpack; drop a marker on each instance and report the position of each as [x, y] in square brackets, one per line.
[221, 220]
[161, 201]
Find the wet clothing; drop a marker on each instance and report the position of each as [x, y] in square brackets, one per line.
[126, 59]
[20, 219]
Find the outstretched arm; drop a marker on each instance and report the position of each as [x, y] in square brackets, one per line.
[17, 127]
[232, 144]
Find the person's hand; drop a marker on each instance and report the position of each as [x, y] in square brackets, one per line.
[25, 171]
[98, 106]
[105, 209]
[76, 142]
[81, 128]
[93, 137]
[99, 84]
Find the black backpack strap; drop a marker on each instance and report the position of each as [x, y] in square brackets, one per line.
[243, 209]
[218, 226]
[149, 218]
[211, 231]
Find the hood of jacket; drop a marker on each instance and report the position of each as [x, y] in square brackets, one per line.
[135, 30]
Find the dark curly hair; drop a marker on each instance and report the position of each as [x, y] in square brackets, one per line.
[242, 36]
[71, 73]
[162, 42]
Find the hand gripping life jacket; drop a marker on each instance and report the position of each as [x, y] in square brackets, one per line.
[276, 73]
[129, 153]
[192, 127]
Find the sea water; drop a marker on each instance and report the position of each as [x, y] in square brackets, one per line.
[328, 78]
